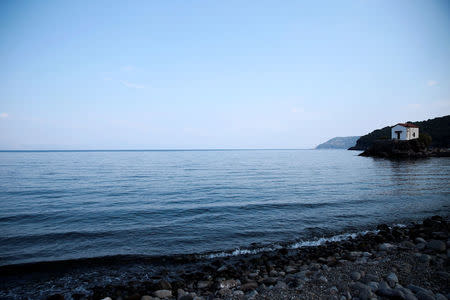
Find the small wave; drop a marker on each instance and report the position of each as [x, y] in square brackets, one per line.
[335, 238]
[295, 245]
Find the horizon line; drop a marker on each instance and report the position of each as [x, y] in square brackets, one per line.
[149, 150]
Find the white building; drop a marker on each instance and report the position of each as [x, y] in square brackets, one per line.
[404, 131]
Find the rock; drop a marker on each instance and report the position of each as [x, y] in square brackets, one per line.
[407, 244]
[222, 269]
[373, 285]
[281, 285]
[204, 284]
[163, 294]
[390, 293]
[270, 280]
[384, 285]
[355, 276]
[334, 290]
[383, 227]
[249, 286]
[392, 279]
[421, 246]
[369, 277]
[424, 258]
[252, 295]
[359, 286]
[425, 296]
[59, 297]
[419, 240]
[364, 291]
[224, 292]
[146, 297]
[416, 289]
[164, 285]
[238, 293]
[444, 275]
[440, 297]
[385, 247]
[273, 273]
[228, 284]
[290, 269]
[436, 245]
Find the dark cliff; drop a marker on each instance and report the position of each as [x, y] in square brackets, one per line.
[438, 129]
[396, 149]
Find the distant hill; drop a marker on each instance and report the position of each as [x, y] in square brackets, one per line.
[437, 128]
[344, 142]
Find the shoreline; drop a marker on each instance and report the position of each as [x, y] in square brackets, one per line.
[288, 272]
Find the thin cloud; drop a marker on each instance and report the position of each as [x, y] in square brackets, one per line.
[4, 115]
[128, 68]
[296, 110]
[432, 82]
[132, 85]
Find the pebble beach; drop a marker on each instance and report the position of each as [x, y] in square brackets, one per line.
[390, 262]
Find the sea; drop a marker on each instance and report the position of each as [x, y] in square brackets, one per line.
[64, 205]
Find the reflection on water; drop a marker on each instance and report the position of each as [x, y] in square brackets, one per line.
[58, 205]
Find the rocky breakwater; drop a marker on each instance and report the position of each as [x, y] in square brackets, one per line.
[401, 262]
[396, 149]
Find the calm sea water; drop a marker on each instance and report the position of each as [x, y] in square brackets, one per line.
[63, 205]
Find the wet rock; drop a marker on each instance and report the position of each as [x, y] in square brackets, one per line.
[186, 297]
[355, 276]
[163, 294]
[134, 297]
[386, 247]
[222, 269]
[383, 227]
[436, 245]
[147, 297]
[164, 285]
[57, 297]
[392, 279]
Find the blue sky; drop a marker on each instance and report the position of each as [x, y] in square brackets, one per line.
[217, 74]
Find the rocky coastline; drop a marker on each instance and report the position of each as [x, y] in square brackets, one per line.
[399, 262]
[395, 149]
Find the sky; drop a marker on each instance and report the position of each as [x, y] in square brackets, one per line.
[217, 74]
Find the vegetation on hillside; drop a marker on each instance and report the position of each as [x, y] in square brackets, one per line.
[436, 133]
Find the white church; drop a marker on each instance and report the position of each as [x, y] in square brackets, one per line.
[404, 132]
